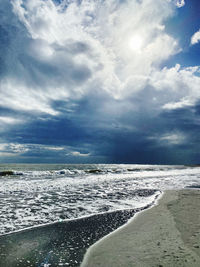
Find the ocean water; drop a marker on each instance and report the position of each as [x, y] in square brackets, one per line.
[38, 194]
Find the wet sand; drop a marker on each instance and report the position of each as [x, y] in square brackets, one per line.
[166, 235]
[59, 244]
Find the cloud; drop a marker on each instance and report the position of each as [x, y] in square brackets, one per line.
[73, 47]
[195, 38]
[169, 139]
[17, 148]
[2, 147]
[53, 148]
[15, 95]
[180, 85]
[21, 150]
[7, 155]
[172, 139]
[78, 154]
[180, 3]
[9, 120]
[180, 104]
[85, 79]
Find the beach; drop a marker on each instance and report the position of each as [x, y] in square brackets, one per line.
[53, 214]
[166, 235]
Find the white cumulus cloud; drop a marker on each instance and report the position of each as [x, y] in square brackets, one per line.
[75, 47]
[180, 86]
[195, 39]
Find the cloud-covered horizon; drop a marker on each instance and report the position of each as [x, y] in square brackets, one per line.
[97, 81]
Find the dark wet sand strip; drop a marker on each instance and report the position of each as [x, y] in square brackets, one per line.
[165, 235]
[59, 244]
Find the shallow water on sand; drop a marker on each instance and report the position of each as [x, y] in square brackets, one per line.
[59, 244]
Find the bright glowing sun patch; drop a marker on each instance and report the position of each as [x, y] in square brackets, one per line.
[135, 43]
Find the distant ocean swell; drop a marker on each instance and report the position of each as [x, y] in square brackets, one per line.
[72, 171]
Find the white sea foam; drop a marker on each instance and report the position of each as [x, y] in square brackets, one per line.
[43, 194]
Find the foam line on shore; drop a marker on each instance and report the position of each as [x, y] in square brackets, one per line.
[140, 209]
[151, 205]
[166, 235]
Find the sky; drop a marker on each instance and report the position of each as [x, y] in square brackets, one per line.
[95, 81]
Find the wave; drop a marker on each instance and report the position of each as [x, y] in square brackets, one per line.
[7, 173]
[39, 194]
[82, 170]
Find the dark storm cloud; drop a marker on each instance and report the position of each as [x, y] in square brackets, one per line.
[144, 142]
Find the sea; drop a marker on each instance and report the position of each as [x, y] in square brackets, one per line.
[38, 194]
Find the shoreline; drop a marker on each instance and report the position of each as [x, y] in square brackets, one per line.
[167, 234]
[63, 242]
[137, 210]
[137, 213]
